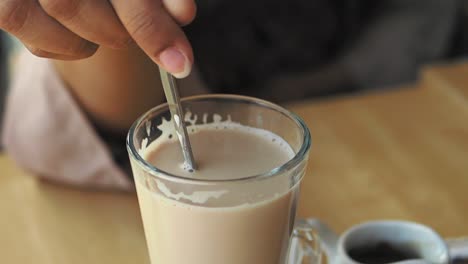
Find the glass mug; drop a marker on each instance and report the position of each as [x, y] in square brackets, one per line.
[253, 222]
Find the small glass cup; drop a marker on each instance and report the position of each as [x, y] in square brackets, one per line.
[254, 222]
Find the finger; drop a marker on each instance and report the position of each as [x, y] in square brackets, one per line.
[27, 21]
[94, 20]
[45, 54]
[183, 11]
[156, 32]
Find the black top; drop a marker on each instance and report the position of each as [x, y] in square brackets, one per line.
[243, 46]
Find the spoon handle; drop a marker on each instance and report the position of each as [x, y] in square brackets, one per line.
[172, 97]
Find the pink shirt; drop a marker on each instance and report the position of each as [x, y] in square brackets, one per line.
[47, 133]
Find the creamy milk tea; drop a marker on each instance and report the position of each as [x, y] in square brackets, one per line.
[183, 226]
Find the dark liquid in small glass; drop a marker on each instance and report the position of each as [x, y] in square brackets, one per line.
[380, 253]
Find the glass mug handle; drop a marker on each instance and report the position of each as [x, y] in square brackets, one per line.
[305, 245]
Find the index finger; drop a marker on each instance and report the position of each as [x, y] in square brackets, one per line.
[157, 34]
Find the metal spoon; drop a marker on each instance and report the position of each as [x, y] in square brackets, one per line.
[173, 100]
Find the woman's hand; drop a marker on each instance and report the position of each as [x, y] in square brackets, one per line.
[74, 29]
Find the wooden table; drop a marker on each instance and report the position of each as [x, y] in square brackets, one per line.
[396, 154]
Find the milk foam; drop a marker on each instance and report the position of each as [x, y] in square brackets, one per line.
[169, 133]
[263, 138]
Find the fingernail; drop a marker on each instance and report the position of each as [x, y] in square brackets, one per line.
[175, 62]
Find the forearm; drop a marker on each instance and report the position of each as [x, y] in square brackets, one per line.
[113, 87]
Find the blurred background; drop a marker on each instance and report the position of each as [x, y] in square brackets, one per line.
[315, 48]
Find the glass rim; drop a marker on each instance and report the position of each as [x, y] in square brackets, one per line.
[161, 174]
